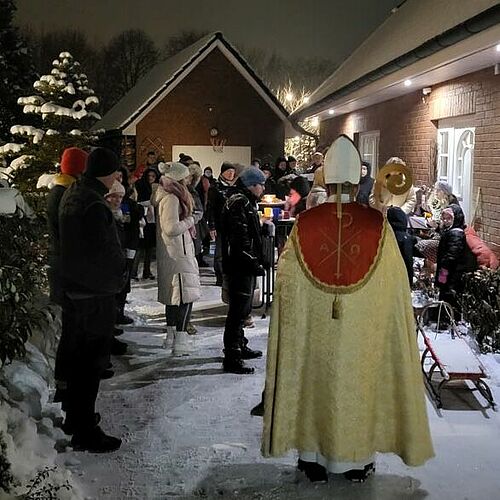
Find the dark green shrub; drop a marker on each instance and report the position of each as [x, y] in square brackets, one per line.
[481, 307]
[23, 258]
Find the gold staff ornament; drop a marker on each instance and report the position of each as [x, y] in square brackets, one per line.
[395, 177]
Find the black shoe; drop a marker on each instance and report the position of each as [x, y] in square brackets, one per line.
[236, 366]
[95, 441]
[258, 411]
[118, 348]
[360, 475]
[124, 320]
[148, 277]
[315, 473]
[105, 374]
[247, 353]
[218, 283]
[202, 262]
[69, 428]
[117, 332]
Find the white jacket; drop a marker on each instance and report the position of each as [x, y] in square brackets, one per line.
[178, 274]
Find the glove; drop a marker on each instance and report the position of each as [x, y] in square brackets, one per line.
[443, 276]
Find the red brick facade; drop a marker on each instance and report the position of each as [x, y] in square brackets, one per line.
[238, 112]
[408, 129]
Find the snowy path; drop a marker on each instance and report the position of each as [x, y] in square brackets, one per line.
[188, 433]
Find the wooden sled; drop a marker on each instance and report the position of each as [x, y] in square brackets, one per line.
[449, 353]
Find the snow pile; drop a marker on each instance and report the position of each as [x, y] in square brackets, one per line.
[11, 147]
[17, 163]
[36, 133]
[27, 417]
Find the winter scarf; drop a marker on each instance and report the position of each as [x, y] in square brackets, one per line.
[63, 180]
[185, 199]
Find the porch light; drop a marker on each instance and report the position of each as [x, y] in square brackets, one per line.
[408, 83]
[289, 96]
[315, 121]
[306, 99]
[498, 47]
[331, 111]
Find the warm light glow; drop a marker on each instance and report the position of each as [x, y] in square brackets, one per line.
[408, 83]
[315, 121]
[306, 99]
[297, 137]
[498, 47]
[331, 111]
[289, 97]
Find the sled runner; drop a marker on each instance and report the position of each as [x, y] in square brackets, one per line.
[448, 352]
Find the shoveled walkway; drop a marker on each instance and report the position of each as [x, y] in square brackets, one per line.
[188, 434]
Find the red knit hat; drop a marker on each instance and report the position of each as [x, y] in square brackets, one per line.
[73, 161]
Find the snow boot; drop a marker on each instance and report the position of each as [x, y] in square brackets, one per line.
[118, 348]
[68, 427]
[247, 353]
[236, 365]
[124, 320]
[181, 344]
[95, 441]
[360, 475]
[168, 341]
[315, 472]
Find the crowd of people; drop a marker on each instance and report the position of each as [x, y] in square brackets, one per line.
[106, 221]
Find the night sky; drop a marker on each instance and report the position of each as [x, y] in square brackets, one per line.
[322, 28]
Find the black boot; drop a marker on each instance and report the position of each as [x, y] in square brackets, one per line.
[258, 411]
[360, 475]
[247, 353]
[118, 348]
[68, 426]
[95, 441]
[315, 473]
[234, 364]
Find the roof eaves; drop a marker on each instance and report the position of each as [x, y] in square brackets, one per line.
[482, 21]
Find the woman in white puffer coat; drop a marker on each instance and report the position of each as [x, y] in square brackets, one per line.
[177, 269]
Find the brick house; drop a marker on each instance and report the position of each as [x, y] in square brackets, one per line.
[425, 86]
[206, 101]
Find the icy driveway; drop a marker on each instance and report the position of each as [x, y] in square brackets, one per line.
[188, 433]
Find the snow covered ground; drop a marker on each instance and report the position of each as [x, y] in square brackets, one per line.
[188, 434]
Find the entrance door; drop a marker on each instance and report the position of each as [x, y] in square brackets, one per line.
[368, 149]
[455, 163]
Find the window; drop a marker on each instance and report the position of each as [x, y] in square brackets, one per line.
[455, 163]
[368, 149]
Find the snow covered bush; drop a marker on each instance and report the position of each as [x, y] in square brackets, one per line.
[22, 281]
[481, 307]
[61, 112]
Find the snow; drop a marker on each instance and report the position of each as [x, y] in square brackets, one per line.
[11, 147]
[75, 132]
[92, 100]
[65, 55]
[45, 181]
[17, 163]
[187, 431]
[28, 130]
[33, 99]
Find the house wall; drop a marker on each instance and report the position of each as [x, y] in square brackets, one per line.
[184, 117]
[408, 129]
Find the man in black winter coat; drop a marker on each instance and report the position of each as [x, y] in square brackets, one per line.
[93, 272]
[73, 161]
[399, 223]
[217, 196]
[242, 262]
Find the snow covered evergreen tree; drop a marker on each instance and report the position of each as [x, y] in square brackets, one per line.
[16, 69]
[61, 113]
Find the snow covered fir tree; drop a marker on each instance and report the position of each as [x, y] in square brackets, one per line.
[16, 69]
[59, 114]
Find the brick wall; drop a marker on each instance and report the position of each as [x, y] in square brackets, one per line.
[240, 114]
[408, 129]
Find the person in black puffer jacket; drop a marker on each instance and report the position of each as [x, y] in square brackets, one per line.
[73, 161]
[242, 259]
[399, 223]
[93, 272]
[217, 196]
[454, 258]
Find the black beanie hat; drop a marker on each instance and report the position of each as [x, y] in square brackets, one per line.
[226, 166]
[102, 162]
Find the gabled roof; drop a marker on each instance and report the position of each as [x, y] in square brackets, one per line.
[167, 74]
[414, 31]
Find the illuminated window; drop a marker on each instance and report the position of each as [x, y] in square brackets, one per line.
[368, 148]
